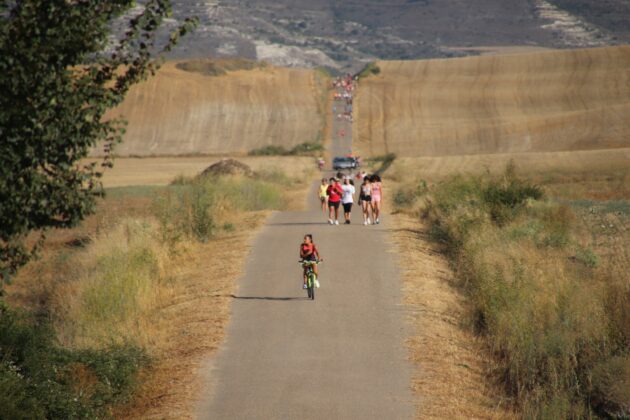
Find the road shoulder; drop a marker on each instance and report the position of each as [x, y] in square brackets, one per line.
[450, 378]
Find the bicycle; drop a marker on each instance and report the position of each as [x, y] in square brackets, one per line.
[311, 277]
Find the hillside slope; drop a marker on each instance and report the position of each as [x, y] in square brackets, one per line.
[180, 112]
[537, 102]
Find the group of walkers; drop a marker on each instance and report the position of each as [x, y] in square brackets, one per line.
[333, 194]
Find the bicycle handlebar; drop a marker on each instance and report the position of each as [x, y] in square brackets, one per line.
[310, 261]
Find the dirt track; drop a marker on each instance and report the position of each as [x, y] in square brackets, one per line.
[536, 102]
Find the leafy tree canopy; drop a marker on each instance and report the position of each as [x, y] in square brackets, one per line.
[61, 69]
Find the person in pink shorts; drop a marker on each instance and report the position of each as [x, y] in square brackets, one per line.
[377, 196]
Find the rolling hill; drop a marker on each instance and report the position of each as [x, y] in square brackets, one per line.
[205, 108]
[537, 102]
[343, 36]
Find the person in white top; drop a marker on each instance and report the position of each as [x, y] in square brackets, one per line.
[347, 198]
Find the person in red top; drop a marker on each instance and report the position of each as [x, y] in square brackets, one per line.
[309, 252]
[334, 192]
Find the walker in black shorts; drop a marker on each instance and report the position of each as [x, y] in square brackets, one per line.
[347, 207]
[334, 205]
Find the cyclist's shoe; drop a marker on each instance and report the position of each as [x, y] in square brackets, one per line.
[317, 283]
[304, 286]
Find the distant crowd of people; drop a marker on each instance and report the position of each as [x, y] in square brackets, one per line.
[345, 87]
[333, 194]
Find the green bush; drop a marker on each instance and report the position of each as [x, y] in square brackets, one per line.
[219, 67]
[404, 198]
[504, 198]
[587, 257]
[306, 148]
[201, 221]
[271, 150]
[369, 69]
[39, 379]
[192, 209]
[168, 209]
[302, 149]
[185, 212]
[122, 275]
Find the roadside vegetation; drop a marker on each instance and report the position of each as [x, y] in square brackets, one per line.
[95, 319]
[54, 102]
[220, 67]
[41, 379]
[302, 149]
[370, 69]
[544, 263]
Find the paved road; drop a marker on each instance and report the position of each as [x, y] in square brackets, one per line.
[340, 145]
[338, 357]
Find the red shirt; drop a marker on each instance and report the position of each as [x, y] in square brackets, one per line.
[309, 249]
[334, 193]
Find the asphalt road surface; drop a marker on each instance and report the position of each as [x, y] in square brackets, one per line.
[340, 356]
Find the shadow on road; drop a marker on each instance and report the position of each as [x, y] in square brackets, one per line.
[268, 298]
[297, 223]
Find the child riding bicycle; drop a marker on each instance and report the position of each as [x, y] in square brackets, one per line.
[309, 252]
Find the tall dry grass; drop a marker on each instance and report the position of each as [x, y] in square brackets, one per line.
[108, 291]
[553, 307]
[112, 287]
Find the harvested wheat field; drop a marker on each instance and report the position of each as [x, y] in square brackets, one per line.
[535, 163]
[535, 102]
[211, 109]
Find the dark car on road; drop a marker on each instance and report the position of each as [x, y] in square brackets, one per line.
[344, 163]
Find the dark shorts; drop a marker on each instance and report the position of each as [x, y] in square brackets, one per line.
[366, 198]
[347, 207]
[334, 205]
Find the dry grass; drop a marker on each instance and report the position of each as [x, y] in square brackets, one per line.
[195, 320]
[451, 376]
[177, 112]
[544, 101]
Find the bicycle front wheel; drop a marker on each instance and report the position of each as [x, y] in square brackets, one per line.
[311, 286]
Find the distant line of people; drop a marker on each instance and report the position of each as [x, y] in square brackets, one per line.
[345, 87]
